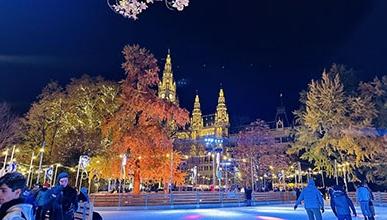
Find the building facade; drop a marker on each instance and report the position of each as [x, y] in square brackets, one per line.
[203, 138]
[206, 142]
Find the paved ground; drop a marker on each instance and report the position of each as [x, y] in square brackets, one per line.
[272, 212]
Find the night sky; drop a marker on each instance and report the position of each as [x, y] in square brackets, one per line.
[256, 49]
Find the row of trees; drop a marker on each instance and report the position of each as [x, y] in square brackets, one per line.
[108, 121]
[105, 120]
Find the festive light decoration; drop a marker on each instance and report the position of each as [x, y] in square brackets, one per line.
[132, 8]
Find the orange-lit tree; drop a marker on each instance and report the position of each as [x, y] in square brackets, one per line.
[140, 127]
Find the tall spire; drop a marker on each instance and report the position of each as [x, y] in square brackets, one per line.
[197, 120]
[221, 115]
[281, 118]
[167, 86]
[168, 65]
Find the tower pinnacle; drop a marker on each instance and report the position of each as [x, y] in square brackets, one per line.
[167, 86]
[221, 115]
[197, 120]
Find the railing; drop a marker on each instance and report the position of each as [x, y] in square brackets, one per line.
[195, 198]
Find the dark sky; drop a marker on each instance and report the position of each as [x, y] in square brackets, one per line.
[256, 49]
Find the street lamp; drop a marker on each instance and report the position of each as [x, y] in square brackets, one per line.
[215, 146]
[345, 172]
[5, 158]
[13, 153]
[336, 175]
[41, 151]
[30, 169]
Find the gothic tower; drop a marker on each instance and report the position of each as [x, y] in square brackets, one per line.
[281, 118]
[221, 116]
[196, 120]
[167, 86]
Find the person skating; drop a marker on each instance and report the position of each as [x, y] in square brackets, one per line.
[364, 197]
[341, 204]
[313, 201]
[13, 206]
[248, 195]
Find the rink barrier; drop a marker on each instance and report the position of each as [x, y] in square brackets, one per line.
[192, 198]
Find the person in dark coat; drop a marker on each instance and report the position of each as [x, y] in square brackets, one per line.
[248, 196]
[341, 204]
[42, 200]
[66, 203]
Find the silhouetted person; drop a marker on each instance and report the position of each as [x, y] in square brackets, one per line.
[313, 201]
[248, 195]
[341, 204]
[364, 197]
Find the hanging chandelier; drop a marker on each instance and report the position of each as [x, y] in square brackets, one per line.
[132, 8]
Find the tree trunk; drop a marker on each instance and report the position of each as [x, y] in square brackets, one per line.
[136, 182]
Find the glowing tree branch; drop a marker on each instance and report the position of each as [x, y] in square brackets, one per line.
[132, 8]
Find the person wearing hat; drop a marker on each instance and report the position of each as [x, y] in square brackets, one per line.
[65, 204]
[12, 204]
[313, 201]
[341, 204]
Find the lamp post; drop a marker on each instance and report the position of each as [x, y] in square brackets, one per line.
[40, 161]
[30, 169]
[78, 169]
[5, 158]
[345, 165]
[272, 176]
[283, 179]
[322, 178]
[171, 178]
[209, 142]
[56, 171]
[336, 176]
[216, 148]
[252, 173]
[13, 152]
[300, 173]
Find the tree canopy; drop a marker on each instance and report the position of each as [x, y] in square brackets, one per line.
[68, 120]
[331, 124]
[140, 126]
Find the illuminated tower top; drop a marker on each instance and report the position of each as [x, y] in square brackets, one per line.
[221, 115]
[167, 86]
[197, 120]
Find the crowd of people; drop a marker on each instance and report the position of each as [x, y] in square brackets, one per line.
[59, 202]
[341, 205]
